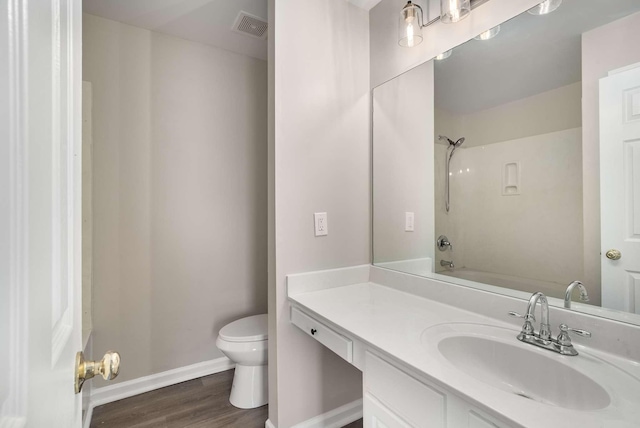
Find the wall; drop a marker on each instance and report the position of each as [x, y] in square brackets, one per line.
[550, 111]
[402, 173]
[388, 59]
[320, 154]
[179, 138]
[598, 58]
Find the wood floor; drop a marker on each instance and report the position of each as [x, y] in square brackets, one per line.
[198, 403]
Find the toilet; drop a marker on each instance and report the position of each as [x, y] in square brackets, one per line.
[245, 343]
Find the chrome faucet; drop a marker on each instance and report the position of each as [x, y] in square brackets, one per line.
[447, 263]
[544, 333]
[562, 344]
[584, 297]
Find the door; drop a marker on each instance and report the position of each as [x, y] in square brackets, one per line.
[40, 212]
[620, 189]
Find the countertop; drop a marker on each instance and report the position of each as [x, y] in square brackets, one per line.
[393, 322]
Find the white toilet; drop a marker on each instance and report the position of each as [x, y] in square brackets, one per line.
[245, 343]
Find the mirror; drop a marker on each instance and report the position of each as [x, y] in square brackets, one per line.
[525, 170]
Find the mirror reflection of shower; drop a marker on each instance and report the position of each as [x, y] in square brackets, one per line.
[453, 145]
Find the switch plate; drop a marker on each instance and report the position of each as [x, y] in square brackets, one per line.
[409, 221]
[320, 223]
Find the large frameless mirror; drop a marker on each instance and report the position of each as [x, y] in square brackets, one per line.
[524, 174]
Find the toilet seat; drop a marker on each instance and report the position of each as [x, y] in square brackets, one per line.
[249, 329]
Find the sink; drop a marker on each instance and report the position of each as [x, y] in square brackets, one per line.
[493, 355]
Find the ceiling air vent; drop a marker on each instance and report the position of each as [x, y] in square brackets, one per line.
[250, 25]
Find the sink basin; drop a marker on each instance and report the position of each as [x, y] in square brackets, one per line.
[495, 357]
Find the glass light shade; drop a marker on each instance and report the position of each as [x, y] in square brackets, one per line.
[410, 26]
[545, 7]
[454, 10]
[489, 34]
[444, 55]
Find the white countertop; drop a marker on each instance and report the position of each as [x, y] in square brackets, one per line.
[393, 322]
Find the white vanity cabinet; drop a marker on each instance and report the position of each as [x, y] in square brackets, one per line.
[402, 399]
[394, 398]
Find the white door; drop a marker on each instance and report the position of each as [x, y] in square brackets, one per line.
[620, 189]
[40, 212]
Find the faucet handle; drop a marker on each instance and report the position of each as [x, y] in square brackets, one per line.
[583, 333]
[517, 315]
[563, 337]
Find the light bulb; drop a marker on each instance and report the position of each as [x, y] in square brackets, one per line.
[444, 55]
[489, 34]
[409, 27]
[545, 7]
[454, 10]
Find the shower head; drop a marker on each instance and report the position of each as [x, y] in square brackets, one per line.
[451, 142]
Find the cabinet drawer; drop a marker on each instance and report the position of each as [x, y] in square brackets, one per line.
[323, 334]
[419, 404]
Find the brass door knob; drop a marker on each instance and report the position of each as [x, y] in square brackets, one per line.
[108, 367]
[614, 255]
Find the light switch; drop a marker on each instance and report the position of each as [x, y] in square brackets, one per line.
[321, 225]
[408, 221]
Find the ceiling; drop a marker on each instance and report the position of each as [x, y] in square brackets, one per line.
[530, 55]
[204, 21]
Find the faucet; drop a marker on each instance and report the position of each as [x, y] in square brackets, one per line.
[545, 333]
[447, 263]
[562, 344]
[584, 297]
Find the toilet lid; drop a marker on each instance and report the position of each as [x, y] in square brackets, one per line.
[247, 329]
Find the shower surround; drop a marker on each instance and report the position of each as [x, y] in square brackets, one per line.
[507, 234]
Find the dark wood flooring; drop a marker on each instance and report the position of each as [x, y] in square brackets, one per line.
[198, 403]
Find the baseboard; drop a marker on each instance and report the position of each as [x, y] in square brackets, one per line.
[335, 418]
[107, 394]
[86, 420]
[268, 424]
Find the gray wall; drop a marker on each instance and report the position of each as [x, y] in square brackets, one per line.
[180, 198]
[320, 161]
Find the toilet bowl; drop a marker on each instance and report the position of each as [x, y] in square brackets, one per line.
[245, 343]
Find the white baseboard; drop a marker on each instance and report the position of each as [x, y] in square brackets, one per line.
[107, 394]
[86, 421]
[335, 418]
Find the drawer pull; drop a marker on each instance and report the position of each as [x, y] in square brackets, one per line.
[339, 344]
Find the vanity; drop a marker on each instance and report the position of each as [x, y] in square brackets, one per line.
[437, 355]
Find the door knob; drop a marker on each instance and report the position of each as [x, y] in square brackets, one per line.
[108, 367]
[613, 255]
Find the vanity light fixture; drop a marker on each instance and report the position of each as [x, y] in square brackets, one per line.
[489, 34]
[444, 55]
[412, 19]
[545, 7]
[454, 10]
